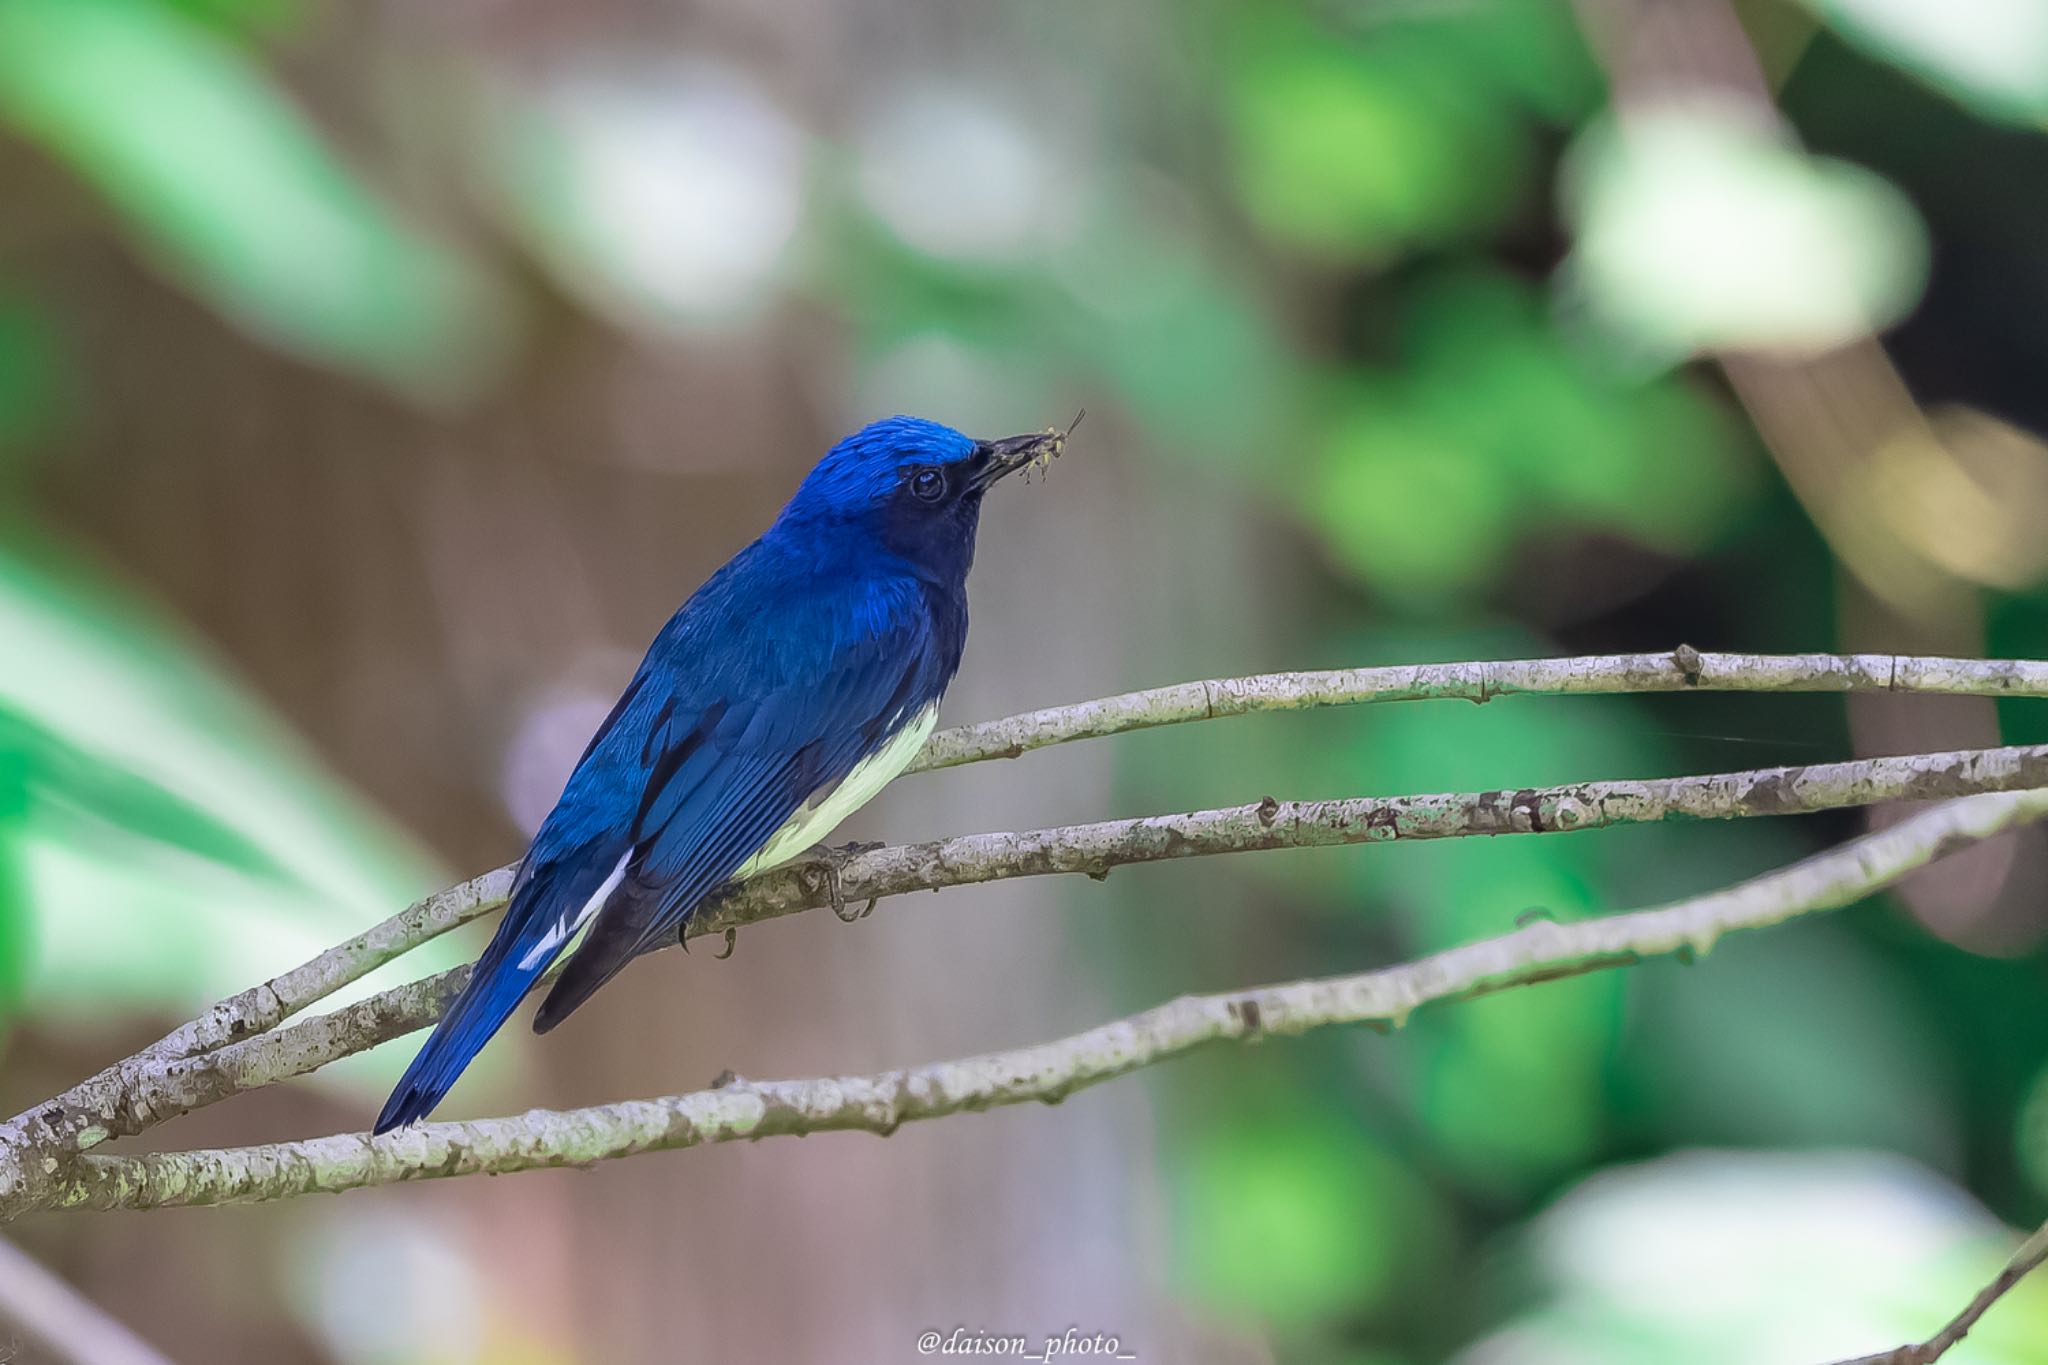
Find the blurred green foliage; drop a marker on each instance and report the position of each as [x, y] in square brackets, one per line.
[230, 188]
[1388, 277]
[147, 802]
[1293, 1217]
[1490, 427]
[1342, 139]
[1991, 55]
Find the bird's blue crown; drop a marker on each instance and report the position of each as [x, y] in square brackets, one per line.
[866, 467]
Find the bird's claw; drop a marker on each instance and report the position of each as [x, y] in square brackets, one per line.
[732, 939]
[821, 872]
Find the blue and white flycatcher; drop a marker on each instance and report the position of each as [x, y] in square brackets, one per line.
[786, 692]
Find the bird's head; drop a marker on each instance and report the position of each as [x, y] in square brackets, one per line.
[915, 485]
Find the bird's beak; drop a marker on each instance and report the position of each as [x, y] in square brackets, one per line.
[994, 459]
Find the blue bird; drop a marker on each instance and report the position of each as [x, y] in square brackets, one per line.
[784, 695]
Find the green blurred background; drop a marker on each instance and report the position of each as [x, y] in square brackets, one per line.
[375, 378]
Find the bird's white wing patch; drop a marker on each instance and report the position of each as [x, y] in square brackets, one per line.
[812, 823]
[566, 928]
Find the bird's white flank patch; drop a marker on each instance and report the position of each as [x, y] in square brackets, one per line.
[813, 822]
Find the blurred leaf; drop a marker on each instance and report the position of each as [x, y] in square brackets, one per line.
[233, 192]
[1356, 151]
[1695, 230]
[16, 915]
[64, 780]
[1645, 458]
[1766, 1259]
[1510, 1092]
[1404, 504]
[1991, 55]
[243, 17]
[1531, 50]
[175, 844]
[1188, 343]
[1801, 1039]
[1510, 1089]
[1295, 1216]
[1492, 427]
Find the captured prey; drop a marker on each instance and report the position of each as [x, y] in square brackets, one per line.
[786, 693]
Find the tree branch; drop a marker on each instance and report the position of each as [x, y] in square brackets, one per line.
[1684, 669]
[238, 1044]
[2027, 1259]
[136, 1095]
[1541, 951]
[91, 1112]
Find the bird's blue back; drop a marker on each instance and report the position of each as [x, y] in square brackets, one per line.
[798, 659]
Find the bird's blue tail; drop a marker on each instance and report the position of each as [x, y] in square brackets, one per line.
[536, 928]
[493, 992]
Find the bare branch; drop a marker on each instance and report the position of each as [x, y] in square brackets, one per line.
[1684, 669]
[141, 1094]
[2024, 1262]
[1541, 951]
[238, 1044]
[264, 1007]
[101, 1107]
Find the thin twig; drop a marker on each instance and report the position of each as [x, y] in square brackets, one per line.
[1541, 951]
[2027, 1259]
[1684, 669]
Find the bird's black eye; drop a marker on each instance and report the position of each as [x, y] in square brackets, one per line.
[928, 485]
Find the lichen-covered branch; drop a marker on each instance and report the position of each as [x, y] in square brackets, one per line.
[1095, 849]
[265, 1006]
[1684, 669]
[104, 1105]
[1541, 951]
[243, 1042]
[144, 1094]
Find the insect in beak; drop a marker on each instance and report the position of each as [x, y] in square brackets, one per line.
[1037, 450]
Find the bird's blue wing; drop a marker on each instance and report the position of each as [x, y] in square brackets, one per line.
[802, 729]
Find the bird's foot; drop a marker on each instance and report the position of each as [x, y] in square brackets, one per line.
[821, 864]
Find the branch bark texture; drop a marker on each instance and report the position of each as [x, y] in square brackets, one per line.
[246, 1041]
[135, 1096]
[1684, 669]
[1048, 1072]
